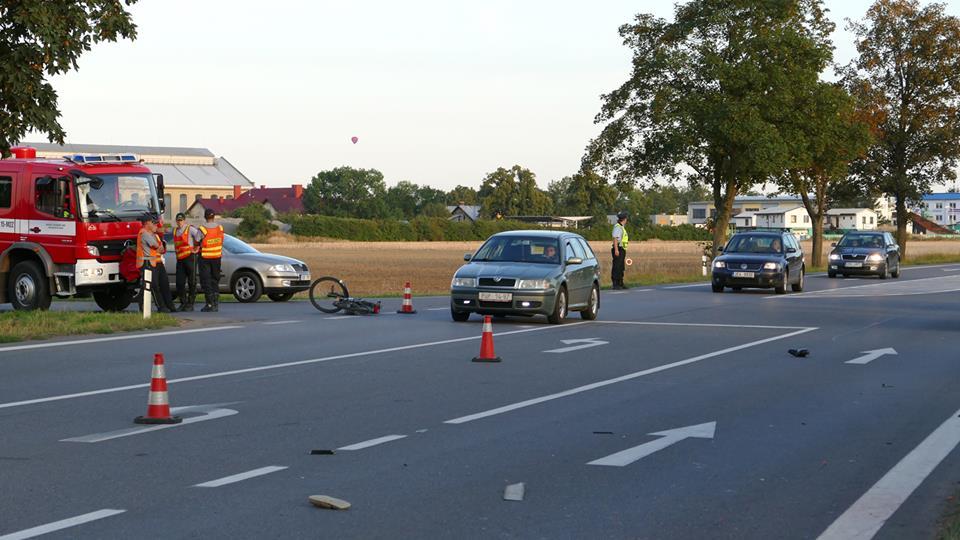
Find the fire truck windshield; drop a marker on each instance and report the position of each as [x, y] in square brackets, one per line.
[121, 197]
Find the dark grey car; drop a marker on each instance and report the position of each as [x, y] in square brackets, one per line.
[528, 273]
[865, 253]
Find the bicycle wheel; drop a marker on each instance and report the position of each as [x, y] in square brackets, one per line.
[327, 292]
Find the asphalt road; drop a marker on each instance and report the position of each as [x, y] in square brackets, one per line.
[426, 441]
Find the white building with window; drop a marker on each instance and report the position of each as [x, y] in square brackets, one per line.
[794, 218]
[941, 208]
[861, 219]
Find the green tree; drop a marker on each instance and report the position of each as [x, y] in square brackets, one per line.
[402, 199]
[513, 192]
[710, 93]
[831, 134]
[462, 194]
[435, 209]
[347, 192]
[585, 194]
[255, 221]
[41, 39]
[907, 76]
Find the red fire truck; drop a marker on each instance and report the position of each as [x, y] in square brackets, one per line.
[64, 223]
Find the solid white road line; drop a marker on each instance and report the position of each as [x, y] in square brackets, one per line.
[608, 382]
[372, 442]
[280, 322]
[865, 518]
[113, 338]
[438, 308]
[281, 366]
[709, 325]
[702, 284]
[233, 479]
[62, 524]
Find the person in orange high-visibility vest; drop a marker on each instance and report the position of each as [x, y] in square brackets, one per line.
[186, 241]
[150, 249]
[211, 249]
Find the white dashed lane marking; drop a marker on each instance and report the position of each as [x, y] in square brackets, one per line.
[233, 479]
[372, 442]
[62, 524]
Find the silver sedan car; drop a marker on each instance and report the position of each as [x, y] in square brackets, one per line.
[247, 273]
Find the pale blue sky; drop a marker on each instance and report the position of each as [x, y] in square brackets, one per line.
[439, 92]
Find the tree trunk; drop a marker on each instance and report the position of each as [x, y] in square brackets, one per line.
[724, 205]
[816, 210]
[902, 225]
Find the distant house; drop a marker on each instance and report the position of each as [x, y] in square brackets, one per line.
[464, 212]
[794, 218]
[744, 220]
[861, 219]
[670, 220]
[941, 208]
[275, 200]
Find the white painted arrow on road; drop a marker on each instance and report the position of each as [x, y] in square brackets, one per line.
[870, 356]
[210, 412]
[667, 438]
[585, 343]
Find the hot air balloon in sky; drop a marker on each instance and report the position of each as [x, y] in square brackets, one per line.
[354, 139]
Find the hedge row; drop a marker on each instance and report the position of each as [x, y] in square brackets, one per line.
[442, 229]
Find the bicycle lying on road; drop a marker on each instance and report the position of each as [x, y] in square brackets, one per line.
[330, 295]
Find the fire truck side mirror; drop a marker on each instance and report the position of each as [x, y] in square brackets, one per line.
[158, 180]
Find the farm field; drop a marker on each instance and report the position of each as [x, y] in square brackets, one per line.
[378, 268]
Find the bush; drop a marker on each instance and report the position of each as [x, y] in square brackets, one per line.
[255, 221]
[442, 229]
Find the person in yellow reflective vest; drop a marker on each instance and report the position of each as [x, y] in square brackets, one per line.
[211, 250]
[619, 251]
[186, 241]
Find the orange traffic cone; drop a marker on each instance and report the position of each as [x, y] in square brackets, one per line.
[158, 406]
[486, 343]
[407, 307]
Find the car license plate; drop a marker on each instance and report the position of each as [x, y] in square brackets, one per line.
[854, 265]
[743, 274]
[496, 296]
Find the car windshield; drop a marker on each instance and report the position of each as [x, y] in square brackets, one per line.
[236, 246]
[122, 197]
[528, 249]
[754, 243]
[861, 241]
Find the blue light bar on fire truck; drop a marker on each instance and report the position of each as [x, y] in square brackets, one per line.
[87, 159]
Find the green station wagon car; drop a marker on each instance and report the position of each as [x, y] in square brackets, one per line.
[528, 273]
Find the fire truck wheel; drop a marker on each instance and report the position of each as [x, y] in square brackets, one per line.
[246, 287]
[29, 288]
[114, 298]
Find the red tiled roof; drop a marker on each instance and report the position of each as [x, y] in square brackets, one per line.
[281, 199]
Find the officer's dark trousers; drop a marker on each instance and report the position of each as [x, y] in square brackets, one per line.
[187, 275]
[616, 272]
[210, 280]
[160, 287]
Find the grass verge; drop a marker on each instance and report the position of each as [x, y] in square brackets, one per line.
[949, 526]
[27, 325]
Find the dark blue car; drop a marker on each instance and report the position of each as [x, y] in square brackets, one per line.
[762, 260]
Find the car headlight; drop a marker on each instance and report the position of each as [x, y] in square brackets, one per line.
[835, 257]
[534, 284]
[719, 264]
[282, 268]
[771, 266]
[464, 282]
[93, 250]
[875, 257]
